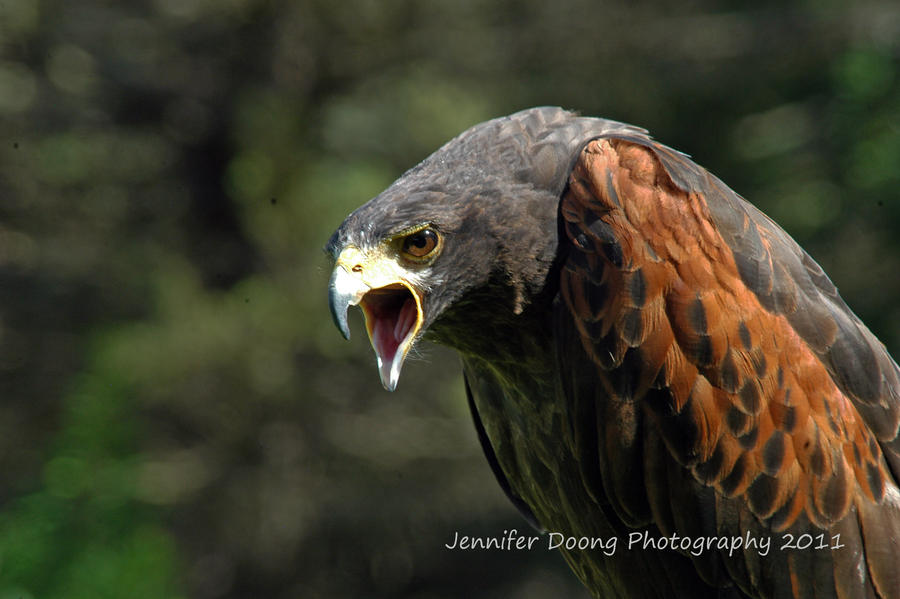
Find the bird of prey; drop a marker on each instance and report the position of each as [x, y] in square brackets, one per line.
[644, 352]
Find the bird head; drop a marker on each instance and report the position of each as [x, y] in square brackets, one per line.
[402, 270]
[406, 258]
[470, 232]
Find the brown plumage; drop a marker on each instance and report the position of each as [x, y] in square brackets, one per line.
[660, 357]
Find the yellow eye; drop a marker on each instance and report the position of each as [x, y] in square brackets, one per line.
[420, 244]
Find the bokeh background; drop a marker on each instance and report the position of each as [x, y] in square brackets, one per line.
[178, 416]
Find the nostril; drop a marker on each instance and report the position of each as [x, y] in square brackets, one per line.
[357, 268]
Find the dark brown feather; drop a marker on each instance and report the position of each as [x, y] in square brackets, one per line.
[764, 385]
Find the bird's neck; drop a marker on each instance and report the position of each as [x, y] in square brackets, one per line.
[484, 327]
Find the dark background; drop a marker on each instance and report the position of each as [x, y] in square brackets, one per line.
[178, 416]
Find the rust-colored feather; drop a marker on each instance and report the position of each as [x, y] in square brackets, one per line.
[742, 389]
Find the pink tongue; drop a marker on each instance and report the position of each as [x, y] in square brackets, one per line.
[390, 331]
[405, 320]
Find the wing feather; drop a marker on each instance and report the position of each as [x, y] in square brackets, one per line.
[718, 346]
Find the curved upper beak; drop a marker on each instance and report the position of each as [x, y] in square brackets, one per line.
[391, 305]
[344, 290]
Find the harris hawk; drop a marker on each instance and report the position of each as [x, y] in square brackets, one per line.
[644, 352]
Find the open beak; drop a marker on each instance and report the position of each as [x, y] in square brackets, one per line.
[392, 307]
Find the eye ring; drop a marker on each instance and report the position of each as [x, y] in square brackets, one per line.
[420, 245]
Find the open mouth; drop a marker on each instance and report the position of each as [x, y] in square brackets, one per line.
[392, 320]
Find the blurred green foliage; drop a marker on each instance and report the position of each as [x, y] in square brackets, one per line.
[179, 417]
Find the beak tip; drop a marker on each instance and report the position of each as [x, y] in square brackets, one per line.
[389, 372]
[340, 320]
[339, 299]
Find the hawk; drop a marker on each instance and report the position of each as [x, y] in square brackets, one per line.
[644, 352]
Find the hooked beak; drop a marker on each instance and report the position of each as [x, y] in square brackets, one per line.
[392, 308]
[344, 290]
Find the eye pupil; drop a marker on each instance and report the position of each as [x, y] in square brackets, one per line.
[421, 243]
